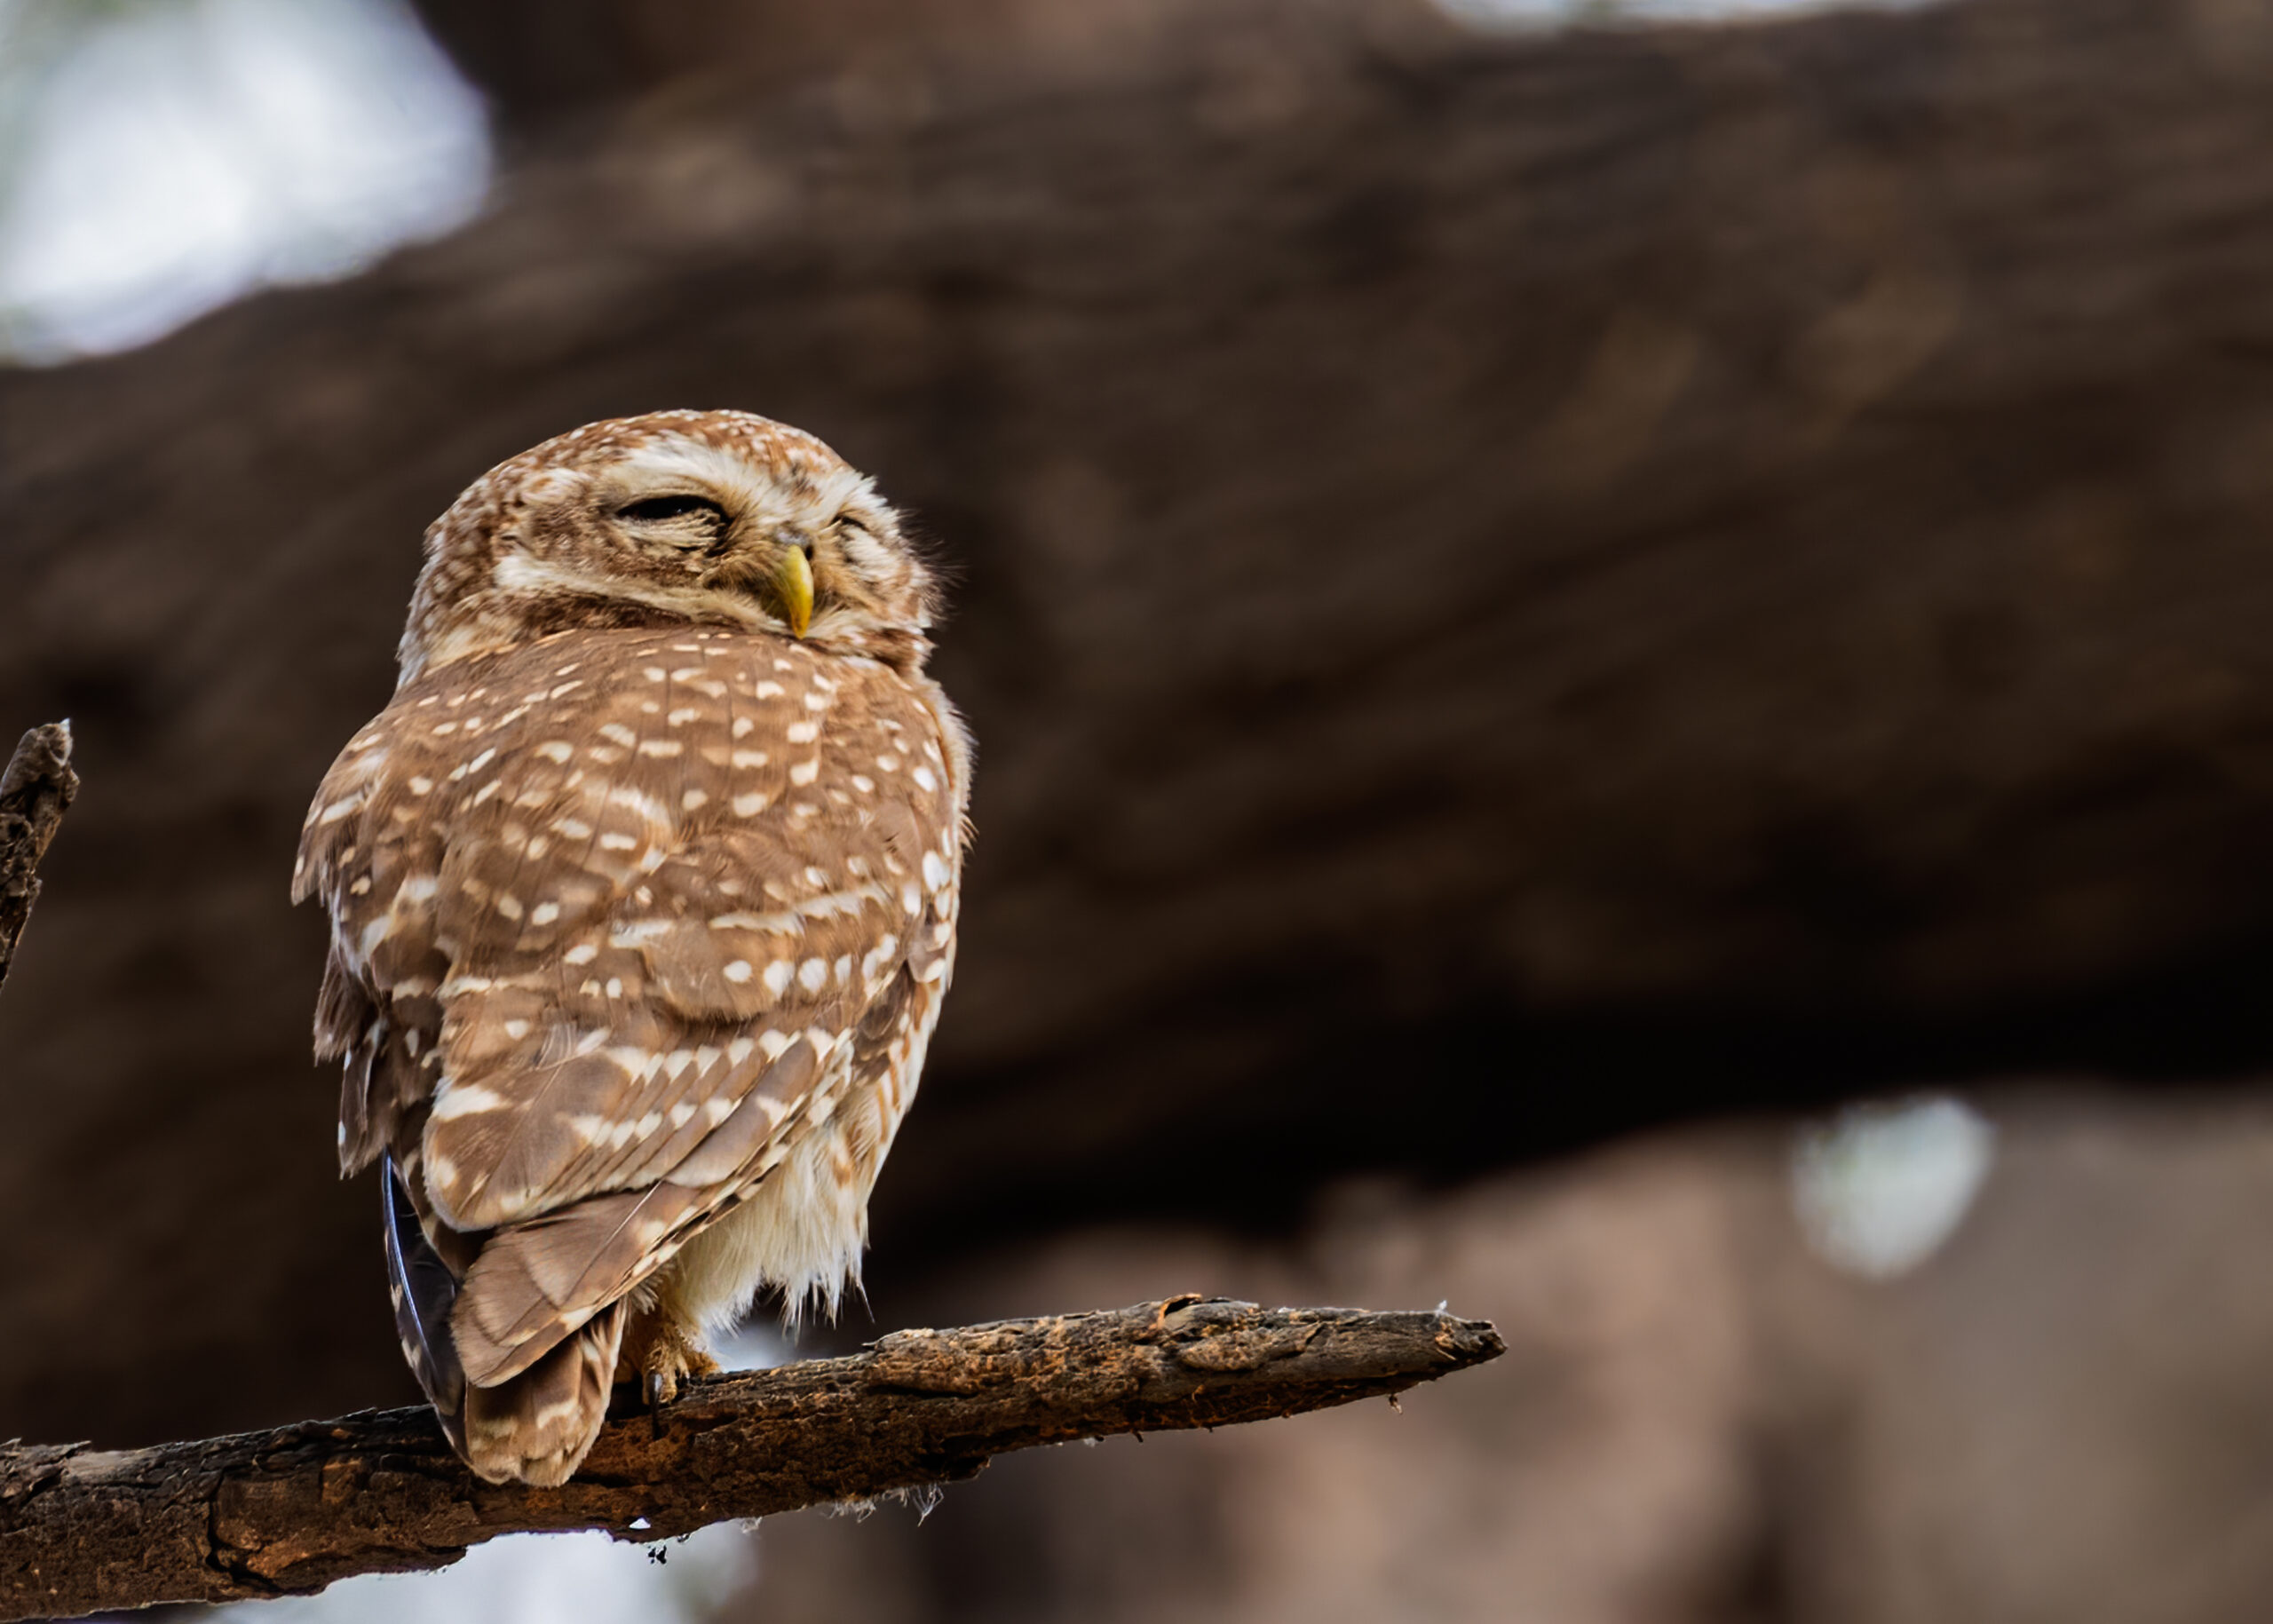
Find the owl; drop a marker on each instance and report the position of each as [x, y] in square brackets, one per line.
[643, 891]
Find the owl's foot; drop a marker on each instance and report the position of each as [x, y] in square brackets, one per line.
[659, 1350]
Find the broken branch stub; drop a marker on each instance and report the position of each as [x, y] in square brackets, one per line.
[34, 790]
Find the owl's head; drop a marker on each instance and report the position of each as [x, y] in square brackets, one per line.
[708, 517]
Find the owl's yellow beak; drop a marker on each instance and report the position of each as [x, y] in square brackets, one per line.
[792, 589]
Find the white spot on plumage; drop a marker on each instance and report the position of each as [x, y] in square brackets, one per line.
[635, 799]
[738, 970]
[812, 975]
[805, 771]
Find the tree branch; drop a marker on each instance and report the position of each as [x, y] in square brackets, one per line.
[263, 1514]
[38, 785]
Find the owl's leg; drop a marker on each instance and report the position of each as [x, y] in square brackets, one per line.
[661, 1344]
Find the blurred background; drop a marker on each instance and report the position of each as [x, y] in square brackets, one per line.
[1623, 657]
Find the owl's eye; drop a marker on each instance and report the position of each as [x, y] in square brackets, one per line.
[657, 508]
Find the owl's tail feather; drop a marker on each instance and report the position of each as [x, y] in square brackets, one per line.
[425, 1288]
[534, 1426]
[538, 1426]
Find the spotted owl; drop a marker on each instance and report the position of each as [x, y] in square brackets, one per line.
[643, 893]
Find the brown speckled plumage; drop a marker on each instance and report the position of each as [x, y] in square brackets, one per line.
[643, 907]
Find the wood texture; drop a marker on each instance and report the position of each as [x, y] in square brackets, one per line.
[35, 791]
[290, 1510]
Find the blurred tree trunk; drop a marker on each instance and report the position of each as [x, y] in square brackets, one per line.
[1509, 589]
[549, 62]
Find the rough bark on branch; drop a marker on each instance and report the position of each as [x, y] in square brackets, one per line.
[290, 1510]
[37, 787]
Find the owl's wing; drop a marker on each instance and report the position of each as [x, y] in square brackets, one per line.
[647, 966]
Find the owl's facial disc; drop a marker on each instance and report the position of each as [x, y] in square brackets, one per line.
[703, 538]
[810, 546]
[717, 519]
